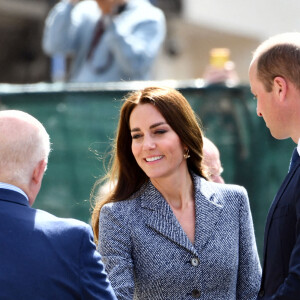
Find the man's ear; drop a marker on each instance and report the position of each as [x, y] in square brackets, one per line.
[280, 87]
[36, 181]
[39, 171]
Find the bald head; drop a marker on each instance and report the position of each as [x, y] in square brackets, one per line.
[24, 143]
[211, 160]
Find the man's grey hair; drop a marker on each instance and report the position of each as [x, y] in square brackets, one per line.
[24, 142]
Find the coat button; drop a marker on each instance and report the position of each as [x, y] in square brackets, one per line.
[261, 293]
[195, 262]
[196, 294]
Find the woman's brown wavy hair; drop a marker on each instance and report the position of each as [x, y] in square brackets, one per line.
[124, 175]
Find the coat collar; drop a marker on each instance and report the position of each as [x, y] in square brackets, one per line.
[161, 218]
[13, 196]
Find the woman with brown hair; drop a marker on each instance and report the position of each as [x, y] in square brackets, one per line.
[163, 230]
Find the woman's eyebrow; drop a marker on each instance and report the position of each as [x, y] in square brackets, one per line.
[157, 124]
[151, 127]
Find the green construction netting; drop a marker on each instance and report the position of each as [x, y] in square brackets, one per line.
[82, 119]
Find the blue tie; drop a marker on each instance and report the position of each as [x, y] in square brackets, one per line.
[294, 159]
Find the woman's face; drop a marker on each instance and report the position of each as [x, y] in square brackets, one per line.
[155, 145]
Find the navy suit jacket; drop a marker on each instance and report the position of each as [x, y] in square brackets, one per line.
[45, 257]
[281, 268]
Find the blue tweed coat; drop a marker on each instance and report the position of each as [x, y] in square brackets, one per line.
[148, 256]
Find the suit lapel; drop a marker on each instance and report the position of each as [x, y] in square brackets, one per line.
[283, 187]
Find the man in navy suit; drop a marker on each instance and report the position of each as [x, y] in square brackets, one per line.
[41, 256]
[275, 82]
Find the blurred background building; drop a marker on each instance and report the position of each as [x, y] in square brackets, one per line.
[21, 57]
[194, 27]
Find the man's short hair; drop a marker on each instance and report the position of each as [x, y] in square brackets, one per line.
[279, 56]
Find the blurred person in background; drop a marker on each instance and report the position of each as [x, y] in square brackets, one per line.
[211, 159]
[107, 40]
[163, 230]
[41, 256]
[275, 83]
[221, 70]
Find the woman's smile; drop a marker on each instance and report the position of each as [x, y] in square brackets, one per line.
[154, 158]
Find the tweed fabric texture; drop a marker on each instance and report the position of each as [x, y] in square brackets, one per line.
[148, 255]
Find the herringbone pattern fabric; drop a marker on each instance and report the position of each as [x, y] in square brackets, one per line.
[148, 255]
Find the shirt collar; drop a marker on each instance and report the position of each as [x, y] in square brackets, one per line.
[14, 188]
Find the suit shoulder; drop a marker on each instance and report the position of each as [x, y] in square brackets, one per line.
[68, 236]
[224, 194]
[121, 207]
[121, 211]
[232, 188]
[233, 192]
[49, 222]
[223, 188]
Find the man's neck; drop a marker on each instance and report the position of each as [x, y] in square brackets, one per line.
[14, 188]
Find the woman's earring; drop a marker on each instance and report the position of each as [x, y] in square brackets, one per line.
[186, 155]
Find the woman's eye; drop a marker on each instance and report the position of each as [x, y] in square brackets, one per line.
[136, 136]
[160, 131]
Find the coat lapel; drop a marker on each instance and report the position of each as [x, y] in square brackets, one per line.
[167, 225]
[208, 210]
[161, 218]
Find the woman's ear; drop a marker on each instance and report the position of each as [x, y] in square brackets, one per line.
[280, 87]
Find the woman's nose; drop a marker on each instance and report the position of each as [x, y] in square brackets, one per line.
[148, 143]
